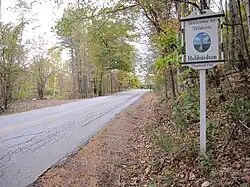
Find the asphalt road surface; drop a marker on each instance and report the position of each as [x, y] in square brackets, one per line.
[31, 142]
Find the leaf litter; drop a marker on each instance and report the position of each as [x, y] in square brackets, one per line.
[144, 147]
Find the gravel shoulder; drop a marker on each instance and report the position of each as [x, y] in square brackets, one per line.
[110, 157]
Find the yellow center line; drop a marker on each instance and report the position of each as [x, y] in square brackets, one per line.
[9, 128]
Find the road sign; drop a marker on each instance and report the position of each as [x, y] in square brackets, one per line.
[201, 39]
[202, 42]
[202, 52]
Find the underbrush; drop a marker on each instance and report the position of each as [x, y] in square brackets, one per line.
[175, 136]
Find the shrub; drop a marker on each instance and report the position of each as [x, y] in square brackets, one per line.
[239, 110]
[186, 108]
[205, 162]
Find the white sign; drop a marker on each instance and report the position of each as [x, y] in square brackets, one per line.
[202, 41]
[205, 65]
[202, 52]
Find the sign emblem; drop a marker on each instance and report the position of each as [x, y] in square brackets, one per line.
[202, 42]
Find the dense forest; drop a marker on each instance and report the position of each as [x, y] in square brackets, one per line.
[102, 58]
[98, 36]
[98, 39]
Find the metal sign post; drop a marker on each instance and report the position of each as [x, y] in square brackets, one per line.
[201, 37]
[202, 110]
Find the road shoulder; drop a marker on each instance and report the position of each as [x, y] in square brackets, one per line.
[25, 106]
[108, 156]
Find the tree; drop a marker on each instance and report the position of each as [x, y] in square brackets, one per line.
[11, 51]
[99, 45]
[43, 69]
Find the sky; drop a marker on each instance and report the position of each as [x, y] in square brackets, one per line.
[46, 14]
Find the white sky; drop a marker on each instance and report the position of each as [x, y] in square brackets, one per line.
[46, 14]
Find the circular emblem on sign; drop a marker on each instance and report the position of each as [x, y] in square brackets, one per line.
[202, 42]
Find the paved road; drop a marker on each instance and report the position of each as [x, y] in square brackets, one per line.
[31, 142]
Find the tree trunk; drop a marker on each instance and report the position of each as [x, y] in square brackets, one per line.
[166, 84]
[10, 91]
[85, 86]
[1, 109]
[0, 10]
[179, 69]
[61, 84]
[19, 92]
[5, 102]
[73, 72]
[227, 42]
[40, 90]
[172, 81]
[203, 4]
[111, 82]
[248, 17]
[54, 87]
[243, 35]
[101, 83]
[232, 19]
[6, 92]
